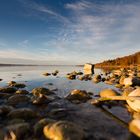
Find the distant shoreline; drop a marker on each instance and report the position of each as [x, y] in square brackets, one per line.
[11, 65]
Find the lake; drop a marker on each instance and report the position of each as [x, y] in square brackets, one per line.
[33, 77]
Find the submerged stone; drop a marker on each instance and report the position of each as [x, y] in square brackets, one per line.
[63, 130]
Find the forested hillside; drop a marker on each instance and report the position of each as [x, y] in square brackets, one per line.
[130, 60]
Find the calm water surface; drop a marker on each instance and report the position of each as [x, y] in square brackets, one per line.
[32, 77]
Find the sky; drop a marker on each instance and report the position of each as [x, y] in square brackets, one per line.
[68, 31]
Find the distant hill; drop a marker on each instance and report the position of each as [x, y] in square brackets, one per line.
[130, 60]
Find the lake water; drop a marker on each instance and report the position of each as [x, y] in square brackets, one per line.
[33, 77]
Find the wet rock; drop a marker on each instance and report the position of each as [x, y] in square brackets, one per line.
[38, 127]
[15, 121]
[41, 99]
[71, 76]
[58, 113]
[11, 83]
[19, 85]
[46, 74]
[79, 95]
[85, 77]
[18, 99]
[15, 84]
[7, 90]
[22, 92]
[18, 131]
[41, 90]
[108, 92]
[1, 134]
[97, 78]
[5, 109]
[134, 127]
[55, 73]
[23, 113]
[63, 130]
[79, 73]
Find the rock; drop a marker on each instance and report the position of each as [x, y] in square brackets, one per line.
[131, 81]
[41, 99]
[23, 113]
[108, 82]
[19, 85]
[55, 72]
[63, 130]
[41, 90]
[71, 77]
[127, 90]
[85, 77]
[15, 84]
[108, 92]
[58, 113]
[15, 121]
[38, 127]
[80, 95]
[134, 104]
[46, 74]
[97, 78]
[1, 134]
[118, 86]
[121, 81]
[134, 127]
[88, 68]
[5, 109]
[18, 131]
[7, 90]
[11, 83]
[79, 73]
[117, 72]
[136, 115]
[18, 99]
[22, 92]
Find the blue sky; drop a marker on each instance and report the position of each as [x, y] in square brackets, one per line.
[68, 31]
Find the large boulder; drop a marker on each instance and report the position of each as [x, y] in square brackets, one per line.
[88, 68]
[63, 130]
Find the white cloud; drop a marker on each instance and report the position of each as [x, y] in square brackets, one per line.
[45, 10]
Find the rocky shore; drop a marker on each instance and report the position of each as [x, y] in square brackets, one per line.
[42, 115]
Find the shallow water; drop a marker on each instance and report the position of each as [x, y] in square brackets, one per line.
[33, 77]
[96, 121]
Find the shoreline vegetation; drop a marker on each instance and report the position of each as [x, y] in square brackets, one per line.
[122, 62]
